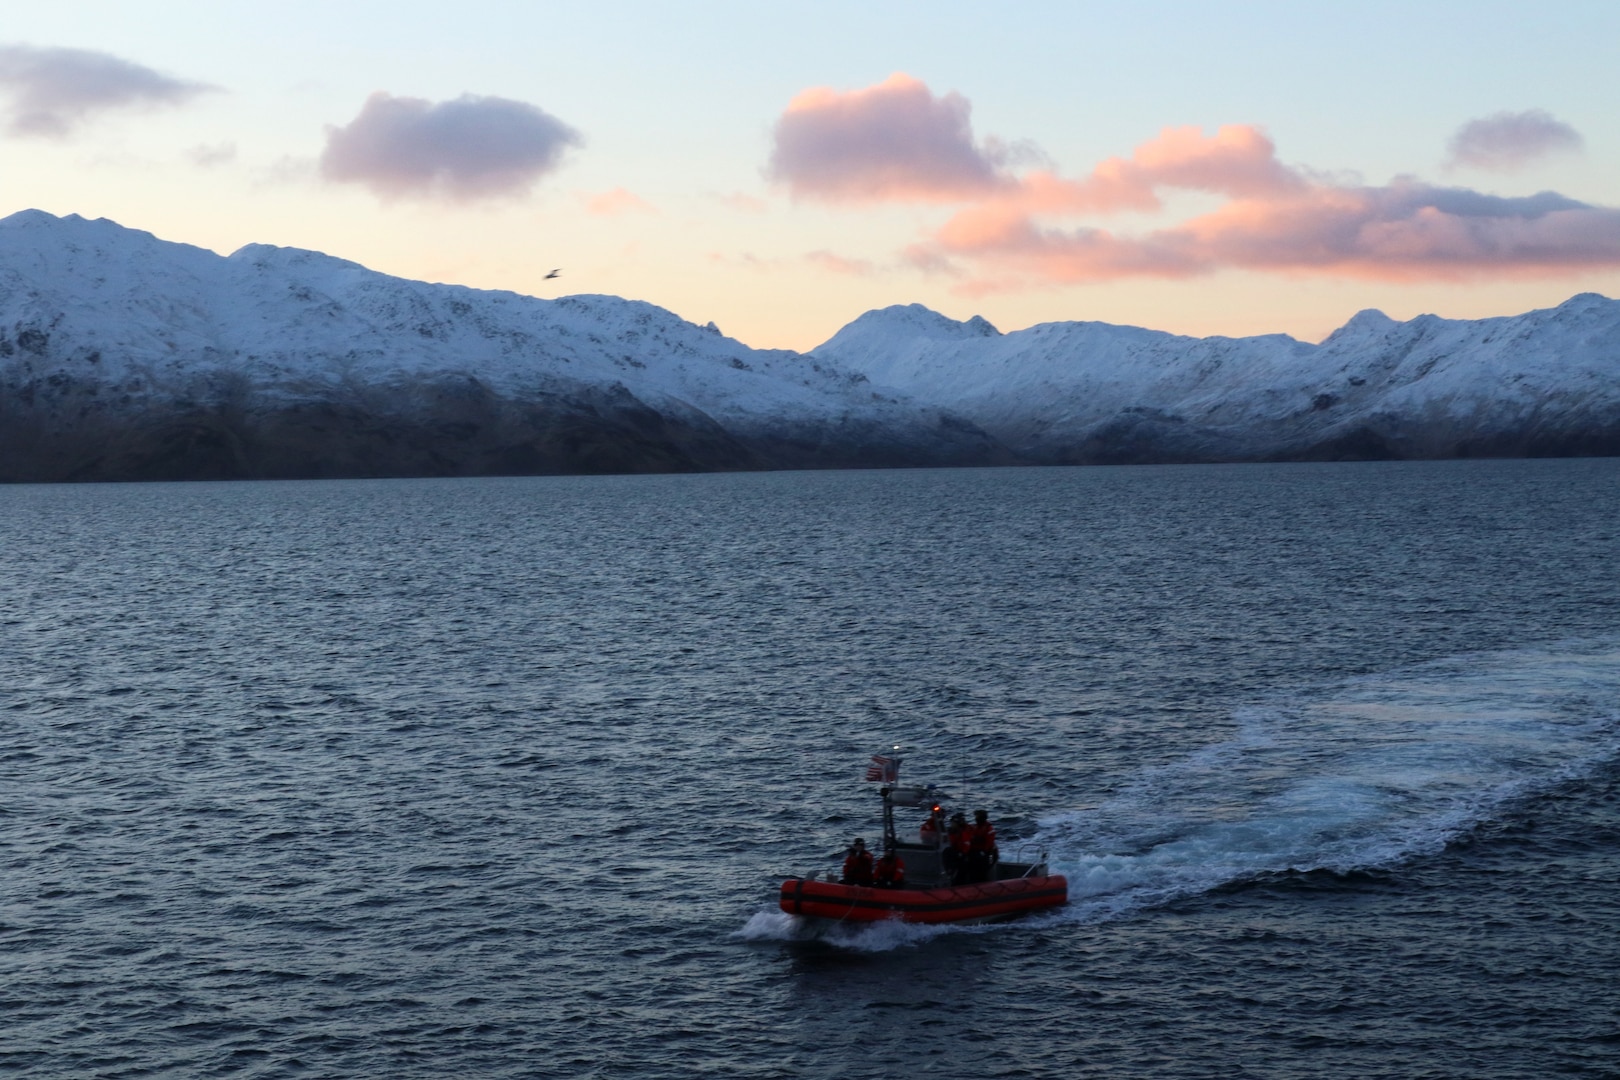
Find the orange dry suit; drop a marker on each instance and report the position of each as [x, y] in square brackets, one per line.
[982, 839]
[858, 867]
[958, 842]
[890, 872]
[982, 851]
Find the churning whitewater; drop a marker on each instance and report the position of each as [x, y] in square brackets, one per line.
[1354, 777]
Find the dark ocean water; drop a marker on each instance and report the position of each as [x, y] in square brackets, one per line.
[496, 778]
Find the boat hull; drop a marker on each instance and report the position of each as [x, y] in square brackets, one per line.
[986, 902]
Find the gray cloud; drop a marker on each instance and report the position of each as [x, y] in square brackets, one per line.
[208, 155]
[53, 91]
[892, 141]
[1507, 141]
[466, 149]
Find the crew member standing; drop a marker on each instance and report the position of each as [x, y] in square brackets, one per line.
[982, 851]
[932, 827]
[958, 845]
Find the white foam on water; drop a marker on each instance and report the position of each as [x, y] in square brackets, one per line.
[1360, 775]
[771, 924]
[767, 924]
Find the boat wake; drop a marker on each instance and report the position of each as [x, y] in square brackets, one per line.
[1361, 775]
[1355, 776]
[776, 925]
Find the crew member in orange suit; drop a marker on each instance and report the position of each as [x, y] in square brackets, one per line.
[982, 851]
[933, 827]
[858, 864]
[890, 871]
[958, 845]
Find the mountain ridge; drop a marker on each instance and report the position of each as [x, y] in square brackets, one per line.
[124, 356]
[1546, 382]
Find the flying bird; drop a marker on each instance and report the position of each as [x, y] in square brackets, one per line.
[554, 273]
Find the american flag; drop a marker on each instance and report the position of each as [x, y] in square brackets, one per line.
[884, 769]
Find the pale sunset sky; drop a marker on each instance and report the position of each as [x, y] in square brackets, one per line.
[1203, 168]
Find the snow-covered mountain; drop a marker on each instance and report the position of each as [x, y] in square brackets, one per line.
[124, 356]
[1543, 383]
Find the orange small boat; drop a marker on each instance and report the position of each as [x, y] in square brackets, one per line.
[929, 894]
[985, 902]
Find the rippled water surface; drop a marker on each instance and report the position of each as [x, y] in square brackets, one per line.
[497, 777]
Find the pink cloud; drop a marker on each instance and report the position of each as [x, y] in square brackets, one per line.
[1507, 141]
[1276, 219]
[617, 202]
[1237, 161]
[465, 149]
[53, 91]
[839, 264]
[898, 142]
[1409, 230]
[1404, 231]
[895, 140]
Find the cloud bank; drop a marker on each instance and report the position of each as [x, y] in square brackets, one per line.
[1403, 232]
[51, 92]
[1507, 141]
[897, 143]
[463, 150]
